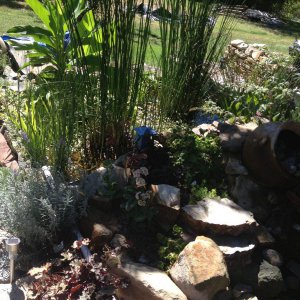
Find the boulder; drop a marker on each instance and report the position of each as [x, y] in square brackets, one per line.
[237, 251]
[145, 283]
[219, 216]
[270, 281]
[100, 236]
[96, 216]
[168, 199]
[273, 257]
[234, 166]
[232, 137]
[200, 270]
[264, 237]
[235, 43]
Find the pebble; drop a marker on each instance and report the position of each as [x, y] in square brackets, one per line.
[273, 257]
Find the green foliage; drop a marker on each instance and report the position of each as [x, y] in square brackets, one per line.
[198, 158]
[199, 192]
[190, 47]
[291, 9]
[269, 91]
[3, 62]
[46, 122]
[54, 54]
[170, 247]
[32, 211]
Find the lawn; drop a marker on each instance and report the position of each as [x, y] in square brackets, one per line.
[14, 13]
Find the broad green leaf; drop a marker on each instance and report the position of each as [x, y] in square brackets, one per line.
[40, 11]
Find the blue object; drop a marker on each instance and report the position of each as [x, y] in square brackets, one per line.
[67, 39]
[143, 138]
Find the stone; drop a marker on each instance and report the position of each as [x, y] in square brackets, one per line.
[119, 241]
[11, 292]
[168, 199]
[166, 195]
[273, 257]
[145, 283]
[235, 43]
[270, 281]
[218, 216]
[96, 216]
[237, 251]
[100, 236]
[7, 157]
[242, 46]
[203, 128]
[257, 54]
[241, 289]
[234, 166]
[245, 191]
[249, 50]
[264, 237]
[200, 270]
[232, 137]
[294, 267]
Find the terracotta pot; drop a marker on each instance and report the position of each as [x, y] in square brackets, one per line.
[259, 154]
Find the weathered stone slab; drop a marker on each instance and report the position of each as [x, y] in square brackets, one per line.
[219, 216]
[200, 270]
[146, 283]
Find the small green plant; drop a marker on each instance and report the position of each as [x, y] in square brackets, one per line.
[170, 247]
[199, 192]
[196, 158]
[33, 211]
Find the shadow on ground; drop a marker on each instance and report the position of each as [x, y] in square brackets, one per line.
[13, 3]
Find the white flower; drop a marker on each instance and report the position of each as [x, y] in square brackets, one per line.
[144, 171]
[142, 203]
[140, 182]
[137, 195]
[136, 173]
[145, 196]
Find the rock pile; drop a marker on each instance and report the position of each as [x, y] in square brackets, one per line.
[243, 57]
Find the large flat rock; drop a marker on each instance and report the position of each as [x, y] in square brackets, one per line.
[218, 216]
[146, 283]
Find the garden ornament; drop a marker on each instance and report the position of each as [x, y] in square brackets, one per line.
[144, 137]
[12, 246]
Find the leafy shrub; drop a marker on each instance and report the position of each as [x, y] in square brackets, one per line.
[269, 91]
[32, 211]
[170, 247]
[196, 158]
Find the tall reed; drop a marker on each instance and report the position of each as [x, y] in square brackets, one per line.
[191, 46]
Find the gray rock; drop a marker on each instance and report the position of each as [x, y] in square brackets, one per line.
[146, 283]
[200, 270]
[234, 166]
[246, 192]
[218, 216]
[232, 137]
[264, 237]
[237, 251]
[270, 281]
[166, 195]
[273, 257]
[235, 43]
[168, 199]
